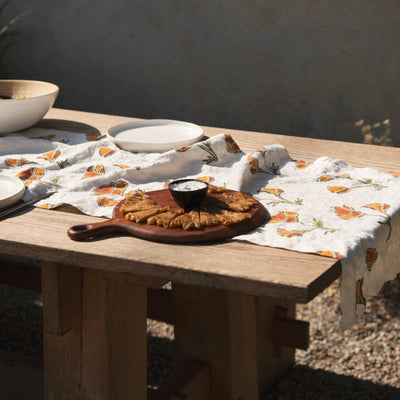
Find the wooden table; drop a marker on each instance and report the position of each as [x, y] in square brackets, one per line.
[233, 303]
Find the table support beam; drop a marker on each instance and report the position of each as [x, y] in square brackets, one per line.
[94, 335]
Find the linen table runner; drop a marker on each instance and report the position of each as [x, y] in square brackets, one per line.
[325, 207]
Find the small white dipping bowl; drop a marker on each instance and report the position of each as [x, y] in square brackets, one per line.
[30, 101]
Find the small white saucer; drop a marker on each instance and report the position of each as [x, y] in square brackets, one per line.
[154, 135]
[11, 190]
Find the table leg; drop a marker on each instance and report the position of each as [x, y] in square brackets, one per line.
[237, 335]
[94, 335]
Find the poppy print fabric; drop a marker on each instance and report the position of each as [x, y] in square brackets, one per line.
[321, 206]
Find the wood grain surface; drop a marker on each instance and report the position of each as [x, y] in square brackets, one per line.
[230, 265]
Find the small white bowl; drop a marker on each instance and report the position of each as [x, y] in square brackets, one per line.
[30, 101]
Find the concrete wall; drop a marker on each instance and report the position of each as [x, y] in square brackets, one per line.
[303, 67]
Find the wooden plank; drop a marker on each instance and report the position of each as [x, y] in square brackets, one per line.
[273, 362]
[126, 332]
[113, 338]
[61, 297]
[191, 382]
[219, 328]
[274, 273]
[94, 335]
[61, 331]
[21, 273]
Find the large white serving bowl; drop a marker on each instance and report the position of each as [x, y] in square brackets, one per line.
[30, 101]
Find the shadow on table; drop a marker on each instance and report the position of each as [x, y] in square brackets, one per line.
[67, 125]
[303, 382]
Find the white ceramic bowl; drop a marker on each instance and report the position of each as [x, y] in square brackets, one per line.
[30, 101]
[154, 135]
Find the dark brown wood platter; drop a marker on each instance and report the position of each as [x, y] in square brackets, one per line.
[119, 224]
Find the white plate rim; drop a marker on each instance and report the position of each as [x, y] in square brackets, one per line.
[152, 147]
[19, 190]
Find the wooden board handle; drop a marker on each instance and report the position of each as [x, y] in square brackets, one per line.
[88, 231]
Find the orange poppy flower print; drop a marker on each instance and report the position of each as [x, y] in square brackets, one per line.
[47, 206]
[51, 155]
[396, 174]
[92, 137]
[332, 254]
[208, 179]
[301, 164]
[106, 202]
[360, 299]
[94, 171]
[347, 212]
[182, 149]
[338, 189]
[371, 255]
[326, 178]
[284, 216]
[106, 152]
[289, 234]
[16, 162]
[123, 166]
[29, 175]
[254, 167]
[113, 188]
[276, 192]
[231, 145]
[382, 207]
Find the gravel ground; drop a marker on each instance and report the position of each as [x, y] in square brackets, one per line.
[363, 362]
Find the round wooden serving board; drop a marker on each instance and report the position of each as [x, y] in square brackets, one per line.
[119, 224]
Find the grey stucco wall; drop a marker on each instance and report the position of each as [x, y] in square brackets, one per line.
[306, 67]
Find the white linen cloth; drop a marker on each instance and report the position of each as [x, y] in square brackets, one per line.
[325, 207]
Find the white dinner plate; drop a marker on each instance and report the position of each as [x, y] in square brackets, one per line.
[11, 190]
[154, 135]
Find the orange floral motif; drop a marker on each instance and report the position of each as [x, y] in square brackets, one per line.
[92, 137]
[301, 164]
[371, 255]
[16, 162]
[326, 178]
[29, 175]
[332, 254]
[106, 152]
[113, 188]
[208, 179]
[231, 145]
[106, 202]
[360, 299]
[182, 149]
[347, 212]
[51, 155]
[396, 174]
[284, 216]
[254, 168]
[382, 207]
[284, 232]
[274, 191]
[93, 171]
[124, 166]
[339, 189]
[47, 206]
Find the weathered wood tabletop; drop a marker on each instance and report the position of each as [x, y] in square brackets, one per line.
[240, 289]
